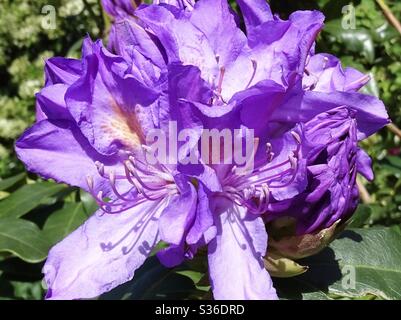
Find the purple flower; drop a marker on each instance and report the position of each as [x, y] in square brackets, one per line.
[191, 63]
[268, 80]
[330, 146]
[90, 134]
[120, 8]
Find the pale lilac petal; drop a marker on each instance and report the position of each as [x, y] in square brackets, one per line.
[217, 23]
[105, 104]
[57, 150]
[62, 70]
[204, 221]
[180, 214]
[103, 253]
[236, 257]
[282, 56]
[371, 114]
[50, 102]
[255, 12]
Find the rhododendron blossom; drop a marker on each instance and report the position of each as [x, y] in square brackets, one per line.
[297, 113]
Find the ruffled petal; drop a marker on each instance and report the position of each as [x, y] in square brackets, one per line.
[62, 70]
[255, 12]
[183, 42]
[364, 165]
[371, 114]
[281, 56]
[106, 104]
[203, 226]
[57, 150]
[50, 102]
[217, 23]
[103, 253]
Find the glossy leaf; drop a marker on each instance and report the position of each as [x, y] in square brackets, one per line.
[62, 222]
[23, 239]
[27, 198]
[361, 262]
[10, 182]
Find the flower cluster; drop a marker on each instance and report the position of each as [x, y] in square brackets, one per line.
[189, 62]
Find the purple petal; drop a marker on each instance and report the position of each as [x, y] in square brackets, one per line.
[103, 253]
[172, 256]
[120, 8]
[183, 42]
[203, 224]
[255, 12]
[50, 102]
[105, 104]
[62, 70]
[371, 113]
[179, 215]
[283, 60]
[217, 23]
[57, 150]
[364, 165]
[130, 34]
[325, 74]
[236, 257]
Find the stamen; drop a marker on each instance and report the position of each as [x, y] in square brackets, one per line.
[112, 180]
[253, 194]
[254, 66]
[362, 81]
[325, 62]
[133, 171]
[100, 168]
[221, 78]
[89, 181]
[296, 137]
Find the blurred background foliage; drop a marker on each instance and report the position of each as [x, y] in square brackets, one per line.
[52, 211]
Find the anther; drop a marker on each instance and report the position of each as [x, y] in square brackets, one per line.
[254, 66]
[325, 62]
[296, 137]
[89, 181]
[293, 161]
[112, 178]
[221, 78]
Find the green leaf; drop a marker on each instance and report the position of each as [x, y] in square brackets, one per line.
[395, 161]
[154, 281]
[23, 239]
[27, 198]
[8, 183]
[88, 201]
[361, 216]
[357, 41]
[361, 263]
[62, 222]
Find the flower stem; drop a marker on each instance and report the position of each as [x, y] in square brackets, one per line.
[363, 192]
[394, 129]
[389, 15]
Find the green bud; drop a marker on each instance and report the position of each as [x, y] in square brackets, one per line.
[281, 267]
[283, 242]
